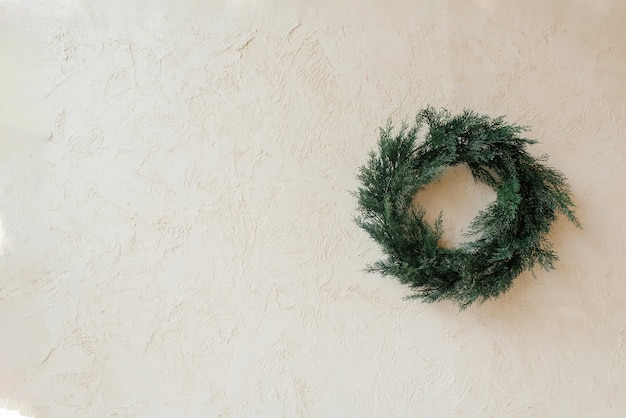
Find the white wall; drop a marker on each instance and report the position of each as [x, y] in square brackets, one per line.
[176, 219]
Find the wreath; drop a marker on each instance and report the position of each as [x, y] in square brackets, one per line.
[510, 235]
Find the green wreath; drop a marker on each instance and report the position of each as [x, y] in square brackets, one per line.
[510, 235]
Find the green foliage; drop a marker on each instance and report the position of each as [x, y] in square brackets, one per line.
[510, 234]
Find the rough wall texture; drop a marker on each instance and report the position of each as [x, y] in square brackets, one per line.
[176, 219]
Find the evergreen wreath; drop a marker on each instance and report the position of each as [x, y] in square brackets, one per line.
[510, 234]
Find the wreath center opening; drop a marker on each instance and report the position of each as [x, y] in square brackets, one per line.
[459, 198]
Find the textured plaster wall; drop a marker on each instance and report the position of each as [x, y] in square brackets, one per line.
[176, 219]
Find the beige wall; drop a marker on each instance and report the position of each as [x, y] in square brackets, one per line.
[176, 219]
